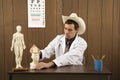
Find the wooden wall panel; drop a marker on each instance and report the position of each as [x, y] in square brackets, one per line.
[107, 27]
[83, 13]
[116, 40]
[2, 69]
[8, 29]
[50, 30]
[75, 6]
[67, 9]
[59, 23]
[94, 29]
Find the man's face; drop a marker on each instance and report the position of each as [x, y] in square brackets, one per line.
[69, 31]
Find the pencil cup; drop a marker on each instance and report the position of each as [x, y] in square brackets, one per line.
[98, 65]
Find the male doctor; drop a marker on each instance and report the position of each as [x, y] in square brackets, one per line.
[68, 47]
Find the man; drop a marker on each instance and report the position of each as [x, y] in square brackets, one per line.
[68, 47]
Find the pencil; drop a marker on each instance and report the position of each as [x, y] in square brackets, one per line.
[103, 57]
[93, 57]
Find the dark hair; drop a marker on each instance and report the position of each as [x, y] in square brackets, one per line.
[69, 21]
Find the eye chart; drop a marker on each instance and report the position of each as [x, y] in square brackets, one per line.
[36, 13]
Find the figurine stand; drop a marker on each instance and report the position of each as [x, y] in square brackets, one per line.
[20, 69]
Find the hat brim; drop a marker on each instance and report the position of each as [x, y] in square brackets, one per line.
[79, 20]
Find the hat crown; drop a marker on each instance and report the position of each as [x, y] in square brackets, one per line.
[73, 15]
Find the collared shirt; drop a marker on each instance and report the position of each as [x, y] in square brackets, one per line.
[68, 43]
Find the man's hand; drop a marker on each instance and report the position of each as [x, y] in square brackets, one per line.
[42, 65]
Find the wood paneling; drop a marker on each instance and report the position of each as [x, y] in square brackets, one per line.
[102, 34]
[83, 13]
[59, 24]
[107, 32]
[116, 41]
[67, 9]
[50, 30]
[2, 69]
[8, 30]
[94, 28]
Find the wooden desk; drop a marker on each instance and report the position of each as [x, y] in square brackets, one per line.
[62, 73]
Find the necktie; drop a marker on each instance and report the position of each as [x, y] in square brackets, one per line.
[67, 46]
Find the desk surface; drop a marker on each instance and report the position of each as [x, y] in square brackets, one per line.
[66, 69]
[62, 73]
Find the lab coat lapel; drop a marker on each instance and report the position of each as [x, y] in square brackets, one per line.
[62, 43]
[74, 42]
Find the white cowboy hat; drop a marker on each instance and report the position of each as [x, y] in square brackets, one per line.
[79, 20]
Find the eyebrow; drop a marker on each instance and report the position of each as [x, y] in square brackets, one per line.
[68, 29]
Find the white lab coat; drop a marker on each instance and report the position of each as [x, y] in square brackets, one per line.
[57, 46]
